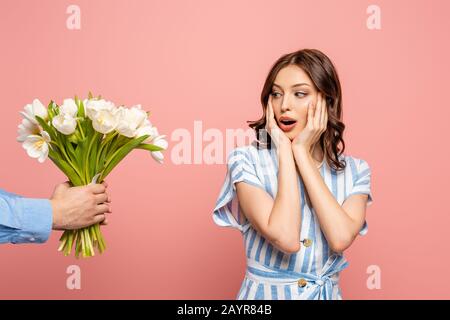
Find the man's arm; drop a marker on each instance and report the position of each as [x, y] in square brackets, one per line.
[24, 220]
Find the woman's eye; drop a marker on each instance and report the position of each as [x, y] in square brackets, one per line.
[300, 94]
[275, 94]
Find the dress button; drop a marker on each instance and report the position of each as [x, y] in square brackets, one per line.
[307, 242]
[302, 282]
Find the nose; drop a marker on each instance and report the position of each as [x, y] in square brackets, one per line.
[285, 104]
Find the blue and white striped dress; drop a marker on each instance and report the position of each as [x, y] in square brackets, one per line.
[313, 271]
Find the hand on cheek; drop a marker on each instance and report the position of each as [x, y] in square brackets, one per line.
[277, 136]
[316, 124]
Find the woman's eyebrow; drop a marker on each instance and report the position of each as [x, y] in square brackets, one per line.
[300, 84]
[293, 86]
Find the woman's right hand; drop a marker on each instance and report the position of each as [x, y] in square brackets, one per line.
[276, 134]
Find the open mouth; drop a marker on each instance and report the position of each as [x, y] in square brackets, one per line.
[287, 124]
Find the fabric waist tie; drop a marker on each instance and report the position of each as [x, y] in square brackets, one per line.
[320, 285]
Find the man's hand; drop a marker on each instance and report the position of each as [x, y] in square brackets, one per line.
[79, 207]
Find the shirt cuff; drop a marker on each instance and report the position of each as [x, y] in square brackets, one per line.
[36, 221]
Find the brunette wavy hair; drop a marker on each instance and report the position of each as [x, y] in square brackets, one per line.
[324, 76]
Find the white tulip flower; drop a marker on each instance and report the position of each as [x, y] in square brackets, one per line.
[158, 156]
[154, 138]
[105, 121]
[94, 106]
[35, 109]
[146, 129]
[65, 123]
[162, 143]
[27, 128]
[153, 133]
[69, 107]
[130, 119]
[37, 146]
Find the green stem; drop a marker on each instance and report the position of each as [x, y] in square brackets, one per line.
[89, 241]
[104, 145]
[81, 129]
[86, 161]
[101, 241]
[74, 167]
[83, 243]
[110, 158]
[108, 139]
[113, 146]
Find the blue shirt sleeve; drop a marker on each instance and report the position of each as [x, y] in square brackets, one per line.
[24, 220]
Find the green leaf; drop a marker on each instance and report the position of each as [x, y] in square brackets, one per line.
[63, 142]
[74, 138]
[102, 154]
[79, 153]
[120, 154]
[149, 147]
[115, 144]
[55, 150]
[54, 107]
[67, 170]
[81, 113]
[91, 156]
[50, 130]
[71, 150]
[51, 111]
[88, 128]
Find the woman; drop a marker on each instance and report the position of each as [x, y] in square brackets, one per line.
[298, 201]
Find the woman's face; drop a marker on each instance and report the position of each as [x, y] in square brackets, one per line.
[291, 93]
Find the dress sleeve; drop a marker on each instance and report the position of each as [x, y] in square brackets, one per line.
[240, 167]
[361, 185]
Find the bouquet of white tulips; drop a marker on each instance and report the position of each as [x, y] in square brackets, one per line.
[86, 140]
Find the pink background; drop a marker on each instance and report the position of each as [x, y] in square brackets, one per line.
[207, 60]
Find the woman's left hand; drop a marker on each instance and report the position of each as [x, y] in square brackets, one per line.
[315, 126]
